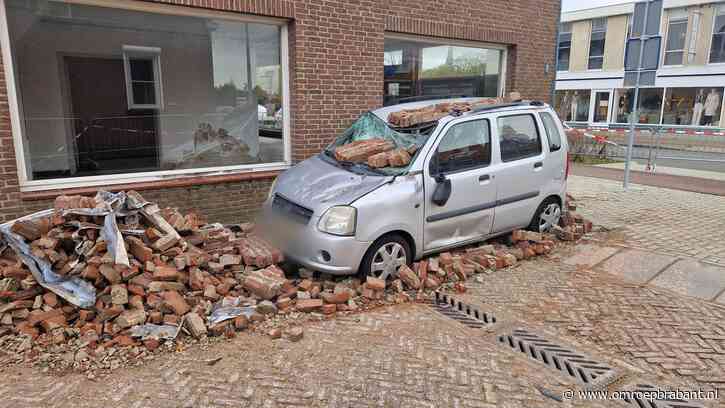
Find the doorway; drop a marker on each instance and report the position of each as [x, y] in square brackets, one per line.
[108, 137]
[599, 113]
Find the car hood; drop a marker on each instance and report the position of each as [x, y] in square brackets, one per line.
[318, 185]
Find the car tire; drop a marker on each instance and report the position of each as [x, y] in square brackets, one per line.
[377, 265]
[546, 216]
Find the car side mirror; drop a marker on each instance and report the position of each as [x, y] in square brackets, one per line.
[442, 192]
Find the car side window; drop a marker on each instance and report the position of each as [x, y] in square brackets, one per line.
[552, 131]
[519, 137]
[466, 145]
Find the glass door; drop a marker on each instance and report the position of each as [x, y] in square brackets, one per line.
[599, 113]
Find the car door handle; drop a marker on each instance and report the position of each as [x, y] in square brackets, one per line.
[484, 177]
[538, 164]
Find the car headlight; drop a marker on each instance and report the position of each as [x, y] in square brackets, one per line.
[271, 189]
[338, 220]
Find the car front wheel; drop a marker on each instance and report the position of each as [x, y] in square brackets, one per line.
[385, 256]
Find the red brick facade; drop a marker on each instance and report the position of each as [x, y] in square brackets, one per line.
[336, 72]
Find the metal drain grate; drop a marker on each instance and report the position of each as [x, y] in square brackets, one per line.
[462, 312]
[567, 361]
[643, 402]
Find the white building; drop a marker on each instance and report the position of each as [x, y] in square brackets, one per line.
[689, 83]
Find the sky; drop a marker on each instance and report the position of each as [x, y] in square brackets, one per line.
[570, 5]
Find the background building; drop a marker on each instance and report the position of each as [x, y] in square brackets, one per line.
[200, 103]
[688, 91]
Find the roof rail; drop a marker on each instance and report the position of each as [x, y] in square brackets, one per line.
[485, 108]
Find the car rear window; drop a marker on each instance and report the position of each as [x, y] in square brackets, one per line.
[552, 131]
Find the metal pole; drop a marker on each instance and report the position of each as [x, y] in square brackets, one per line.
[635, 102]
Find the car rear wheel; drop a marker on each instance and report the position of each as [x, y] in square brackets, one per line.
[547, 216]
[385, 256]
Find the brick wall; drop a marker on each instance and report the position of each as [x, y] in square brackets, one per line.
[336, 58]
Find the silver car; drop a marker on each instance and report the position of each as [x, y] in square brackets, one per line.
[472, 176]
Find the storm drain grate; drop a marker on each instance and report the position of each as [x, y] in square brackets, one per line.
[553, 355]
[462, 312]
[643, 397]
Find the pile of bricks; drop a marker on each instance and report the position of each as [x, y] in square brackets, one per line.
[360, 150]
[411, 117]
[177, 269]
[377, 153]
[572, 225]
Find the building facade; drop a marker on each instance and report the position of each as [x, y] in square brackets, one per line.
[688, 89]
[199, 104]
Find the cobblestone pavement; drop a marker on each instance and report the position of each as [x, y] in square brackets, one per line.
[403, 356]
[657, 219]
[659, 332]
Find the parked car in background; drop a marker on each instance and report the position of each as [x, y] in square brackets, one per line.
[470, 176]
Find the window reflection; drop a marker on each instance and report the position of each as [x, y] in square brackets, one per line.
[108, 91]
[415, 69]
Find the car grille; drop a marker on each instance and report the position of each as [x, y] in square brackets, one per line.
[295, 211]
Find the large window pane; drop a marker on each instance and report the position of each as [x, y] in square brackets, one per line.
[693, 106]
[572, 105]
[596, 43]
[564, 47]
[414, 69]
[650, 105]
[717, 49]
[676, 32]
[108, 91]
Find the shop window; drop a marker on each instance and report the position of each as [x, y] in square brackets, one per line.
[108, 91]
[596, 43]
[717, 47]
[562, 63]
[650, 105]
[417, 69]
[143, 84]
[676, 33]
[572, 105]
[692, 106]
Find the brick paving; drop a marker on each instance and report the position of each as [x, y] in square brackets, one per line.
[668, 221]
[404, 356]
[410, 355]
[659, 332]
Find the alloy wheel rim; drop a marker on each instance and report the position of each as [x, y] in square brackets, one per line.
[387, 259]
[549, 217]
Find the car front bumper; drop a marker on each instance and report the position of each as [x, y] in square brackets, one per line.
[306, 245]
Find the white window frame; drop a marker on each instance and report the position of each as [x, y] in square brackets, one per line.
[693, 33]
[676, 16]
[154, 54]
[17, 123]
[719, 11]
[558, 45]
[604, 50]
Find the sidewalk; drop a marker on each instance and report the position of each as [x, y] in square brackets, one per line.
[667, 181]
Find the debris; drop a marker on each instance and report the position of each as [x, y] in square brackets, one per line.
[294, 334]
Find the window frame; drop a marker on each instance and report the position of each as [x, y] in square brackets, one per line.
[559, 47]
[449, 127]
[500, 138]
[719, 11]
[137, 52]
[684, 50]
[552, 147]
[456, 43]
[591, 35]
[18, 123]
